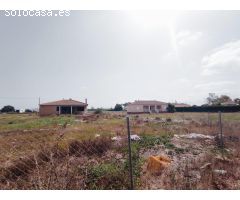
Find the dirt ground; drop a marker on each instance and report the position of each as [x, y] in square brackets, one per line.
[91, 151]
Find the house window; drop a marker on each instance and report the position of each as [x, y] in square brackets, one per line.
[145, 108]
[57, 108]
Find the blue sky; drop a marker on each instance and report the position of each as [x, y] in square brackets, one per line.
[114, 57]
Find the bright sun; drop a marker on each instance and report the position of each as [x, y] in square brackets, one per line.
[150, 20]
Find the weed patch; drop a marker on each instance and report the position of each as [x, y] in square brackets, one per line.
[106, 176]
[90, 147]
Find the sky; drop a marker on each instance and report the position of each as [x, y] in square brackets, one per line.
[114, 57]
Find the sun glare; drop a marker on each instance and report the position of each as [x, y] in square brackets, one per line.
[151, 20]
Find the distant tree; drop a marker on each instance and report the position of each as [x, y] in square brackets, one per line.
[125, 105]
[212, 99]
[215, 100]
[98, 111]
[28, 111]
[8, 108]
[91, 109]
[237, 101]
[118, 107]
[224, 98]
[171, 108]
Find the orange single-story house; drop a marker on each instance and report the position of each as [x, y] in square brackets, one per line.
[69, 107]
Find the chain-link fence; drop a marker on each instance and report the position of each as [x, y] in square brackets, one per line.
[110, 151]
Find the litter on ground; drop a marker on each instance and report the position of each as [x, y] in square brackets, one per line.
[157, 163]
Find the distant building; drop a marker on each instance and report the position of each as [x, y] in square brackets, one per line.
[181, 105]
[147, 107]
[20, 110]
[63, 107]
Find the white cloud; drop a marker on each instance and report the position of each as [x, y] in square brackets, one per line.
[214, 85]
[223, 61]
[183, 81]
[221, 69]
[83, 87]
[186, 37]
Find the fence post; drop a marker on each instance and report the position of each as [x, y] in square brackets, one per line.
[208, 119]
[130, 154]
[220, 127]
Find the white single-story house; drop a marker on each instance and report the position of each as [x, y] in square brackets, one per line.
[181, 105]
[147, 107]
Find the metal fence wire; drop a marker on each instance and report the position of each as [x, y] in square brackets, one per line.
[161, 151]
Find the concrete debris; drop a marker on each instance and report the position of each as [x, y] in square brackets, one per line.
[118, 156]
[146, 120]
[205, 165]
[116, 138]
[97, 135]
[177, 120]
[135, 137]
[194, 136]
[78, 120]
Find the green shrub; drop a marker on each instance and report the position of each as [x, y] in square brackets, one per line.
[106, 176]
[98, 111]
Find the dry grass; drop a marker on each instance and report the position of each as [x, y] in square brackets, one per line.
[78, 153]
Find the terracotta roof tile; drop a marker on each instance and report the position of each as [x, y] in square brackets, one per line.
[64, 102]
[148, 102]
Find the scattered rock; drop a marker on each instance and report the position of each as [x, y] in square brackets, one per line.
[205, 165]
[97, 135]
[220, 171]
[146, 120]
[135, 137]
[170, 152]
[178, 121]
[195, 175]
[233, 138]
[118, 156]
[116, 138]
[196, 152]
[168, 120]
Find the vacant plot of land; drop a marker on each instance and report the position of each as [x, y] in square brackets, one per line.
[90, 151]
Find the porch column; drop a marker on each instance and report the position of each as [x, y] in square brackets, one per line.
[71, 110]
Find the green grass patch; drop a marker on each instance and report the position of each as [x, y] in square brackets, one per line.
[18, 122]
[106, 176]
